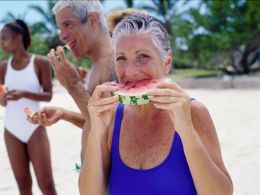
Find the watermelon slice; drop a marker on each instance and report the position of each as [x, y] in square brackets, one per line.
[3, 90]
[66, 47]
[135, 93]
[28, 112]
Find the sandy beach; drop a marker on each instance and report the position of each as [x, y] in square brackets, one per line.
[235, 113]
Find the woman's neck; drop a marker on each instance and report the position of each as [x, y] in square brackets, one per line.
[19, 55]
[146, 111]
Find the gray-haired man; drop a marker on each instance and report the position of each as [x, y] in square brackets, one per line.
[83, 28]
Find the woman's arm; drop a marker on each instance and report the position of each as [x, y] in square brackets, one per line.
[3, 67]
[196, 129]
[95, 171]
[203, 153]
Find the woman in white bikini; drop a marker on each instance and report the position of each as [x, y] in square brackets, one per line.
[28, 79]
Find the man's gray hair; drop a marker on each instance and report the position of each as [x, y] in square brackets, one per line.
[144, 24]
[82, 9]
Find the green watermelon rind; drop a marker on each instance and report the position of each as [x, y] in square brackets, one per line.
[139, 99]
[135, 99]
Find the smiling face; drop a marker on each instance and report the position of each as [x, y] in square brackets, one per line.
[137, 58]
[77, 35]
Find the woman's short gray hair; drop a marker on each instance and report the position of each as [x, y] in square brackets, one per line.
[82, 9]
[144, 24]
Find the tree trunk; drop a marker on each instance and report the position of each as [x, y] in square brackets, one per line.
[244, 63]
[251, 49]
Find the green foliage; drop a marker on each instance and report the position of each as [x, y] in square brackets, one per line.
[129, 3]
[3, 56]
[38, 46]
[46, 28]
[83, 62]
[165, 9]
[11, 17]
[205, 34]
[229, 34]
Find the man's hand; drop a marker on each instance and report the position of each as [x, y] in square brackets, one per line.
[64, 70]
[82, 73]
[47, 116]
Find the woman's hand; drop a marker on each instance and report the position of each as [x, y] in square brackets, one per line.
[47, 116]
[64, 70]
[170, 96]
[3, 100]
[15, 94]
[101, 107]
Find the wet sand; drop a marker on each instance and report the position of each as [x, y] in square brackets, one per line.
[235, 113]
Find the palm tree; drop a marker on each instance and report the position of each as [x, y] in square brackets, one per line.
[164, 9]
[9, 17]
[46, 28]
[128, 3]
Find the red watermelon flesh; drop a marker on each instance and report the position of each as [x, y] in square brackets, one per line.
[135, 92]
[137, 87]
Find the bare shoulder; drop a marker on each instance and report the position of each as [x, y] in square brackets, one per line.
[41, 61]
[42, 65]
[201, 119]
[198, 108]
[203, 124]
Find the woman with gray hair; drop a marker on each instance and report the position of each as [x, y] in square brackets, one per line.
[168, 146]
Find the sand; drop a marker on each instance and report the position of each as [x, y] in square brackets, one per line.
[236, 116]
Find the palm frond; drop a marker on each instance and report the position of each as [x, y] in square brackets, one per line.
[39, 28]
[129, 3]
[40, 10]
[148, 8]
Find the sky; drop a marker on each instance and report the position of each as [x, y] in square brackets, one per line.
[20, 8]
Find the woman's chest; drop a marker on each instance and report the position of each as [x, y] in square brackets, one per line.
[145, 146]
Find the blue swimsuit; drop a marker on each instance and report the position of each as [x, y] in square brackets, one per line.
[171, 177]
